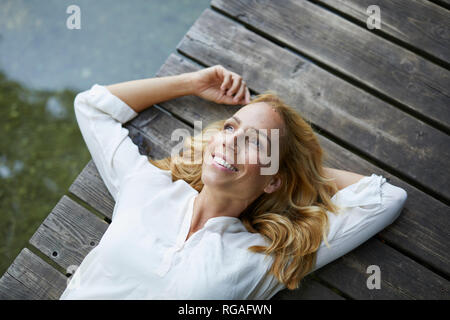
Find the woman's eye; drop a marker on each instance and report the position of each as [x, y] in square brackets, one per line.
[227, 127]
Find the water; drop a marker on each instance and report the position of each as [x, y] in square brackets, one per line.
[43, 65]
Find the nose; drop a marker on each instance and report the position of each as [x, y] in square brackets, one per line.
[230, 145]
[230, 141]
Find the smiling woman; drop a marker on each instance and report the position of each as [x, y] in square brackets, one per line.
[219, 229]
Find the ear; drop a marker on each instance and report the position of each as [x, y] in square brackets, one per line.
[273, 185]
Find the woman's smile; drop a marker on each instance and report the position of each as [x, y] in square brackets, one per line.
[220, 163]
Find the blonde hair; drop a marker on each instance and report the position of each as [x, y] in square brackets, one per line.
[293, 218]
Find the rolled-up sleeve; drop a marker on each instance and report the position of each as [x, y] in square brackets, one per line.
[100, 116]
[367, 207]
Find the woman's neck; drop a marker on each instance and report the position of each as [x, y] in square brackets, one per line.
[211, 203]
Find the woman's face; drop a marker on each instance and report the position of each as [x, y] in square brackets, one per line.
[233, 160]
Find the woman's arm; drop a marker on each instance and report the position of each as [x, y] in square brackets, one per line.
[143, 93]
[215, 83]
[367, 207]
[342, 178]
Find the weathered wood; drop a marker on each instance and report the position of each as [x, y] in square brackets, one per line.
[353, 51]
[418, 23]
[365, 122]
[31, 278]
[68, 233]
[423, 218]
[158, 127]
[308, 290]
[89, 187]
[401, 278]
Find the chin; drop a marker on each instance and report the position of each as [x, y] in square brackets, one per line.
[212, 179]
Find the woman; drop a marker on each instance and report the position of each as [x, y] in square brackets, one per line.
[219, 229]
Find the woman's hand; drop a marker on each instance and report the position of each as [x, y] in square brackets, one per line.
[220, 85]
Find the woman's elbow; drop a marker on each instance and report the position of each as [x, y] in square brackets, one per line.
[394, 199]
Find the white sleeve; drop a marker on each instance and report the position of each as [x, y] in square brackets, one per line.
[100, 116]
[368, 206]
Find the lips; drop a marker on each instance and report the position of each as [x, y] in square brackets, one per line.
[219, 160]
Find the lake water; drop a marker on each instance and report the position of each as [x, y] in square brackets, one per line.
[43, 65]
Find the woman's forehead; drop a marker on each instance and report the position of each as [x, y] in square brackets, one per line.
[259, 115]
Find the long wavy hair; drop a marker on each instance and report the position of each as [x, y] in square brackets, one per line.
[293, 219]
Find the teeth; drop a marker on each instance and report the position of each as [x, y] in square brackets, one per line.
[224, 163]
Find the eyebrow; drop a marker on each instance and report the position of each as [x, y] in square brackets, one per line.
[239, 122]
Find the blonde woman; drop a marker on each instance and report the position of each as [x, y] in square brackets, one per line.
[219, 229]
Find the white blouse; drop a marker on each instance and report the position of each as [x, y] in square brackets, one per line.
[143, 255]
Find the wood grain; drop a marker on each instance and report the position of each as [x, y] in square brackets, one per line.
[68, 233]
[353, 51]
[89, 187]
[31, 278]
[309, 290]
[401, 278]
[418, 23]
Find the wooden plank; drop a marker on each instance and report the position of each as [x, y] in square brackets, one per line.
[356, 52]
[31, 278]
[401, 278]
[309, 290]
[89, 187]
[68, 233]
[405, 232]
[157, 126]
[368, 124]
[418, 23]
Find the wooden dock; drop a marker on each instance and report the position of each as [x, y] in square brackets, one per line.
[378, 99]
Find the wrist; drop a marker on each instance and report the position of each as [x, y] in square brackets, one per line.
[189, 83]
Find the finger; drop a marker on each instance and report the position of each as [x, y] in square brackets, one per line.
[240, 94]
[228, 100]
[247, 96]
[226, 82]
[235, 86]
